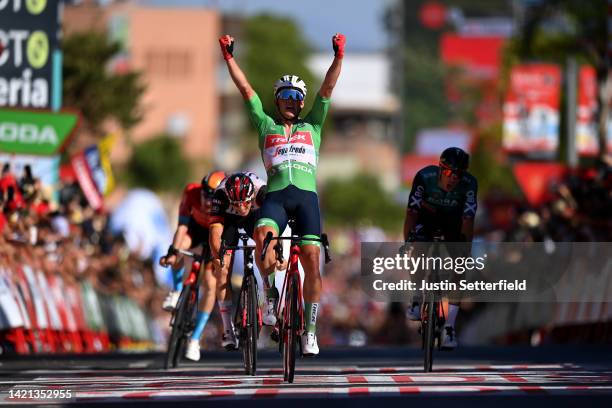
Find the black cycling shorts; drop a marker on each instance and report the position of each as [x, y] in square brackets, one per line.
[198, 234]
[233, 223]
[292, 202]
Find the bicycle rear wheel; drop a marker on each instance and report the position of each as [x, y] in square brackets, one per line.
[177, 324]
[429, 333]
[290, 335]
[249, 332]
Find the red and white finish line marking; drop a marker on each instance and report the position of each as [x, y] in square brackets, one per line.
[113, 385]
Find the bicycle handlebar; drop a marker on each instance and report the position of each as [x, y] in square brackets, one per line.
[196, 257]
[224, 248]
[269, 238]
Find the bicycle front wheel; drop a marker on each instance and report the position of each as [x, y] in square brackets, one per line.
[429, 334]
[290, 329]
[188, 324]
[249, 331]
[177, 323]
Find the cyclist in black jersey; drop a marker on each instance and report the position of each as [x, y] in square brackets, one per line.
[442, 199]
[235, 204]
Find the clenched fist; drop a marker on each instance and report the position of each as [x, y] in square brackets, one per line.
[227, 46]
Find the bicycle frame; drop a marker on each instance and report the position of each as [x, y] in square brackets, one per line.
[247, 318]
[292, 269]
[432, 313]
[291, 310]
[248, 262]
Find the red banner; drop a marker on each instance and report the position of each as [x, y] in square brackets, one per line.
[531, 110]
[412, 163]
[535, 180]
[83, 173]
[586, 112]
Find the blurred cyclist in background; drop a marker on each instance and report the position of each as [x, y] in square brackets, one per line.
[192, 232]
[442, 199]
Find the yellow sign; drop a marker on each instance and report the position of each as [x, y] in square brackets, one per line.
[38, 49]
[36, 6]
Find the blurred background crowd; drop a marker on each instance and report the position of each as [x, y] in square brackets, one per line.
[522, 85]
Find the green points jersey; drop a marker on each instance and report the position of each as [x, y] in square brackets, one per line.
[290, 157]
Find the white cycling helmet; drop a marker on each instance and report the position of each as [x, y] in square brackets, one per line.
[292, 82]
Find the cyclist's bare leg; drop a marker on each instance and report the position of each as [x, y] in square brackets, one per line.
[206, 305]
[310, 259]
[224, 297]
[209, 286]
[221, 276]
[267, 268]
[268, 265]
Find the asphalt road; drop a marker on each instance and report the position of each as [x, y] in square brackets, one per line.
[566, 376]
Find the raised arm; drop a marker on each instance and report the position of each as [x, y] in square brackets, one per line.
[227, 48]
[327, 87]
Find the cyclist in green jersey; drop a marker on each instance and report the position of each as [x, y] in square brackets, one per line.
[442, 199]
[290, 150]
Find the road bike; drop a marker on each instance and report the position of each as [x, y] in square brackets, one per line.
[184, 315]
[290, 324]
[432, 311]
[247, 319]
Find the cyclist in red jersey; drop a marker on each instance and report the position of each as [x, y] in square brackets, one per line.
[194, 222]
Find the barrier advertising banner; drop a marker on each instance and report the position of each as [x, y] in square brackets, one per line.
[531, 109]
[29, 39]
[586, 120]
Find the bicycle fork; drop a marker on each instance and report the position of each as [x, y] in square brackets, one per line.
[292, 270]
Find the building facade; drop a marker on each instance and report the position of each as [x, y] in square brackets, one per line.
[176, 50]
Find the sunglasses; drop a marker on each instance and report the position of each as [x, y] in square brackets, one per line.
[449, 171]
[290, 93]
[240, 203]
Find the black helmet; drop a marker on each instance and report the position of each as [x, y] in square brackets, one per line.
[455, 158]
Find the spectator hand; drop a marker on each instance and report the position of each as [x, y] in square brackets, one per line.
[338, 42]
[227, 46]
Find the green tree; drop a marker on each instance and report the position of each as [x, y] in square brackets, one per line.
[426, 103]
[274, 47]
[360, 201]
[552, 30]
[158, 164]
[89, 86]
[490, 165]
